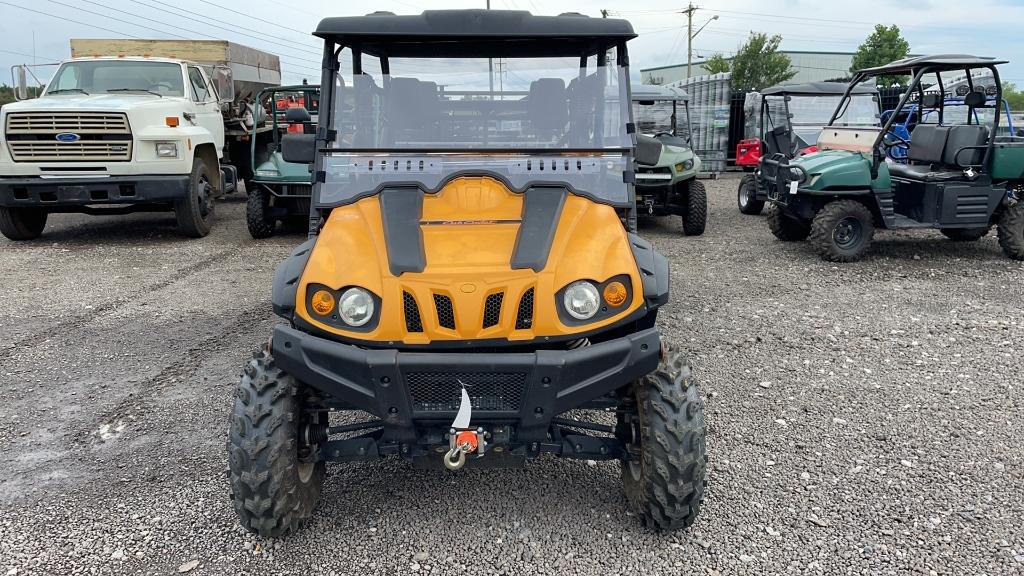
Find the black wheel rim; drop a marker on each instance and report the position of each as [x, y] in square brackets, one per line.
[848, 233]
[204, 197]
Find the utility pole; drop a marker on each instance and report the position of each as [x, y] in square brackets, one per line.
[690, 35]
[490, 66]
[689, 40]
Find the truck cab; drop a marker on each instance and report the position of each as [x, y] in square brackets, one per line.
[123, 127]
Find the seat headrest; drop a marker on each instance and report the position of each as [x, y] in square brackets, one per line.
[931, 100]
[975, 99]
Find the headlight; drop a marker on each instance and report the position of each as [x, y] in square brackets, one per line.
[684, 166]
[270, 173]
[355, 307]
[167, 149]
[796, 174]
[581, 300]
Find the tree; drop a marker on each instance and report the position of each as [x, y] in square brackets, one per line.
[1013, 97]
[758, 64]
[716, 64]
[881, 47]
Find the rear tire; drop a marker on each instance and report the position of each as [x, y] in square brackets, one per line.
[746, 196]
[257, 218]
[195, 212]
[22, 223]
[695, 219]
[662, 424]
[1011, 231]
[786, 228]
[275, 485]
[842, 231]
[965, 234]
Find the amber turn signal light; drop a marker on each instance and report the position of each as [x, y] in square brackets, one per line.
[615, 294]
[171, 121]
[322, 302]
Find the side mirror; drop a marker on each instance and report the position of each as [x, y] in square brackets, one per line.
[298, 115]
[298, 148]
[648, 150]
[224, 81]
[20, 82]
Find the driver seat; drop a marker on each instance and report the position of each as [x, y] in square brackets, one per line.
[779, 141]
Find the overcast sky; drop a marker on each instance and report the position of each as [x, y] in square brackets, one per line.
[983, 27]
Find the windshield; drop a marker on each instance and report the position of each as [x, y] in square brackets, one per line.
[658, 116]
[103, 76]
[817, 110]
[438, 104]
[533, 121]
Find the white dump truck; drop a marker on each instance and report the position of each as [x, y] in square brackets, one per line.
[133, 125]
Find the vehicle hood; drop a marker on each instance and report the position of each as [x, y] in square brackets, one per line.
[93, 103]
[463, 245]
[835, 168]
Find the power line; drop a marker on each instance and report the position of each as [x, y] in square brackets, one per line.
[114, 19]
[303, 32]
[69, 20]
[27, 55]
[184, 29]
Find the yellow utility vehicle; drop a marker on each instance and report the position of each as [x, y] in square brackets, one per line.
[472, 273]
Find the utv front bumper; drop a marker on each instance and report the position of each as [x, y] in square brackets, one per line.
[414, 393]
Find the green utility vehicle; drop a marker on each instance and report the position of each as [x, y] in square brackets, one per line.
[279, 191]
[669, 187]
[960, 178]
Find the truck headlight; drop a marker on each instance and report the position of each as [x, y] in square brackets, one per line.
[355, 307]
[581, 300]
[166, 149]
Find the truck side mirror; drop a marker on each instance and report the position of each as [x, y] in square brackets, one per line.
[20, 82]
[298, 148]
[224, 80]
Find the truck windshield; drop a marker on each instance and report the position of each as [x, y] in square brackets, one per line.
[103, 76]
[533, 120]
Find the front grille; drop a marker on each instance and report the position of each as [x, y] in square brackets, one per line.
[524, 318]
[445, 312]
[82, 151]
[488, 391]
[412, 313]
[101, 137]
[492, 309]
[77, 122]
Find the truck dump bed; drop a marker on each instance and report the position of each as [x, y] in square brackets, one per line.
[252, 70]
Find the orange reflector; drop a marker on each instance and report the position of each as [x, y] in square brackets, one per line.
[615, 294]
[171, 121]
[322, 302]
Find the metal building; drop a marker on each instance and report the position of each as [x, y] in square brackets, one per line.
[809, 66]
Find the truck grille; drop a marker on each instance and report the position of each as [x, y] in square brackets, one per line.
[101, 137]
[488, 391]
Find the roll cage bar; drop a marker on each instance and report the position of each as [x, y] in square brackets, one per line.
[918, 68]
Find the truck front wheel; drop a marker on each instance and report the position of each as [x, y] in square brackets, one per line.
[22, 223]
[195, 210]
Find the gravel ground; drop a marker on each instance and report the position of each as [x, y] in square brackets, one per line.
[863, 418]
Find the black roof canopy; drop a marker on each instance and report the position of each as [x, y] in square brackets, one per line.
[817, 89]
[476, 33]
[938, 62]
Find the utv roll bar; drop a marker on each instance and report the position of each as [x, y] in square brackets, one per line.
[918, 67]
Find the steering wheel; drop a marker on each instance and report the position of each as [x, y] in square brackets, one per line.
[892, 140]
